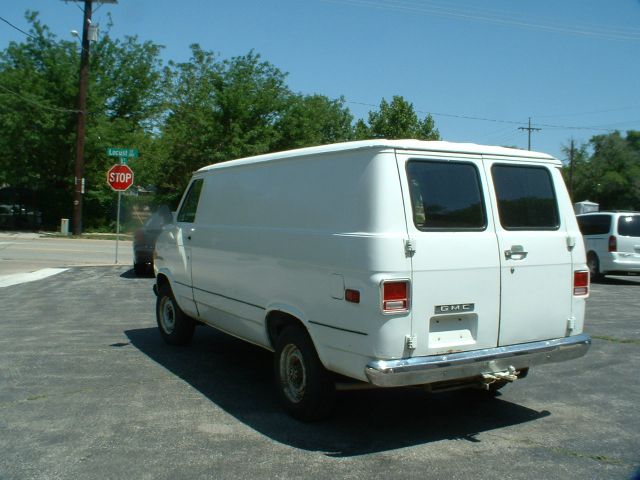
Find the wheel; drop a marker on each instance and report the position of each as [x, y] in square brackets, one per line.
[594, 267]
[303, 384]
[175, 326]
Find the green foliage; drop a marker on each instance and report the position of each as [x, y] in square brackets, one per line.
[610, 175]
[397, 120]
[38, 118]
[180, 117]
[221, 110]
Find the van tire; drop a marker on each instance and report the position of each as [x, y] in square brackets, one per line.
[303, 384]
[594, 267]
[175, 326]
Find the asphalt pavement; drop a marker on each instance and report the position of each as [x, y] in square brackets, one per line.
[89, 390]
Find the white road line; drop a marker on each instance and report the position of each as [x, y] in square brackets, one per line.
[17, 278]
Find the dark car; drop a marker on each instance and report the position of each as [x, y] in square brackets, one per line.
[144, 240]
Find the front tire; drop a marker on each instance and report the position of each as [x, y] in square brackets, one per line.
[175, 326]
[303, 384]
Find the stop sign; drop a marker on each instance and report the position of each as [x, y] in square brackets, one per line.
[120, 177]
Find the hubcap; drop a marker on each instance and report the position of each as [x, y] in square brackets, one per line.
[167, 315]
[592, 263]
[293, 376]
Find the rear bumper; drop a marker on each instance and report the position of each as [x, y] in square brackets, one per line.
[436, 368]
[623, 262]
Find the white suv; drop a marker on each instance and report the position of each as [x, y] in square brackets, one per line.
[612, 242]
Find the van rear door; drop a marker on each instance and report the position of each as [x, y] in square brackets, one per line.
[455, 268]
[536, 271]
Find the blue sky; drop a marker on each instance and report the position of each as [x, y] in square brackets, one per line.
[568, 63]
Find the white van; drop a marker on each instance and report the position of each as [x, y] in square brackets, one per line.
[612, 242]
[388, 263]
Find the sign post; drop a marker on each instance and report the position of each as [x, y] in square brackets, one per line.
[119, 178]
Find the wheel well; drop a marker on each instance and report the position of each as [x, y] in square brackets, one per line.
[162, 280]
[277, 321]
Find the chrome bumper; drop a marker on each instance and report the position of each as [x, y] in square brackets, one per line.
[436, 368]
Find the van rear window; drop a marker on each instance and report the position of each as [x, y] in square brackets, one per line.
[526, 198]
[629, 226]
[446, 196]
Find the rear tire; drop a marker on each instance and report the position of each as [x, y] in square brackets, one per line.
[175, 326]
[594, 267]
[303, 384]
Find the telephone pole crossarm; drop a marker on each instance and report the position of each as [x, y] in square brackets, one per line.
[529, 129]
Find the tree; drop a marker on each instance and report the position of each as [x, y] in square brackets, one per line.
[397, 120]
[609, 176]
[38, 95]
[312, 120]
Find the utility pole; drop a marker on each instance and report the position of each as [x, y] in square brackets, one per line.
[78, 190]
[78, 185]
[529, 129]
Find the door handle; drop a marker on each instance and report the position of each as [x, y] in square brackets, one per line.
[516, 253]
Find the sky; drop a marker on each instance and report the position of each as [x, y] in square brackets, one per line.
[480, 67]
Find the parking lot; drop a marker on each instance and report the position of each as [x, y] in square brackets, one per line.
[89, 390]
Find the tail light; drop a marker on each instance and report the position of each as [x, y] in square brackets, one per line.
[581, 283]
[139, 236]
[613, 243]
[395, 296]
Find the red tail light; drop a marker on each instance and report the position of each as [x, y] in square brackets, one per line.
[581, 283]
[613, 243]
[395, 296]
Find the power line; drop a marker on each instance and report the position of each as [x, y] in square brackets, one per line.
[496, 120]
[38, 104]
[435, 10]
[17, 28]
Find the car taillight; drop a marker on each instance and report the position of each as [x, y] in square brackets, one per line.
[395, 296]
[139, 236]
[613, 244]
[581, 283]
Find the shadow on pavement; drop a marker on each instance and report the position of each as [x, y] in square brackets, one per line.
[237, 377]
[132, 275]
[630, 280]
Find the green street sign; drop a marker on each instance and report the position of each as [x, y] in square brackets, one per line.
[122, 152]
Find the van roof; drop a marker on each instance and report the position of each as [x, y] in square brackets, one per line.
[415, 145]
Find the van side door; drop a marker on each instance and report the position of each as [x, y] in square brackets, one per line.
[178, 257]
[536, 271]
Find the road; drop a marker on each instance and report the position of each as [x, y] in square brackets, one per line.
[89, 390]
[25, 252]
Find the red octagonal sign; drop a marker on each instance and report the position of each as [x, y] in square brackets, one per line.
[120, 177]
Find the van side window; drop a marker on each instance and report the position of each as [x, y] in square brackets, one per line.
[187, 212]
[594, 224]
[526, 198]
[446, 196]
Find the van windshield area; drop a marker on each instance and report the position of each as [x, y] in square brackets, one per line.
[629, 226]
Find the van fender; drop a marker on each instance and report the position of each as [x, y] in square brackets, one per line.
[299, 315]
[187, 305]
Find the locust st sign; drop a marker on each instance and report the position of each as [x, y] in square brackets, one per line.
[120, 177]
[122, 152]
